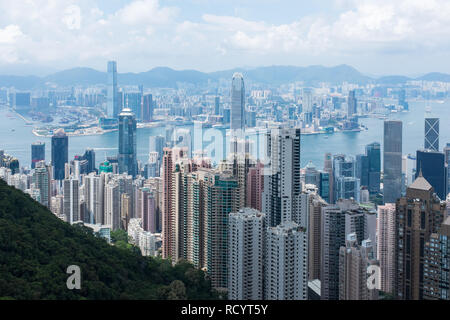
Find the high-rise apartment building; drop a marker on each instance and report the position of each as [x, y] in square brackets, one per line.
[246, 255]
[392, 161]
[418, 215]
[354, 261]
[42, 182]
[386, 244]
[286, 262]
[71, 200]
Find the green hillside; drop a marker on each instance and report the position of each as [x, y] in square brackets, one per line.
[36, 248]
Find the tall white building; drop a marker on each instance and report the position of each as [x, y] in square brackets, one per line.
[71, 200]
[286, 261]
[282, 184]
[245, 258]
[112, 205]
[386, 245]
[94, 197]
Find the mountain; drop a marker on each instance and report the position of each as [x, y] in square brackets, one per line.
[36, 249]
[435, 76]
[164, 77]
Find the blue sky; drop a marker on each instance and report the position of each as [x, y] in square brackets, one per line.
[377, 37]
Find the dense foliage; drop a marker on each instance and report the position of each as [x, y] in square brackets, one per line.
[36, 248]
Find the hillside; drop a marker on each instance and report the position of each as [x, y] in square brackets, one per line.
[36, 248]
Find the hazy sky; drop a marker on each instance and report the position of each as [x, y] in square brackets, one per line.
[376, 36]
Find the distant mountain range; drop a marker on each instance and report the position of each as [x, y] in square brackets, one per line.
[165, 77]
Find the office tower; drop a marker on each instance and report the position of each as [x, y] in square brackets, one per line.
[316, 204]
[89, 156]
[328, 168]
[37, 153]
[431, 164]
[221, 199]
[182, 138]
[60, 154]
[312, 175]
[418, 215]
[437, 259]
[386, 245]
[112, 105]
[133, 101]
[286, 262]
[392, 161]
[71, 200]
[156, 144]
[346, 184]
[94, 195]
[217, 106]
[337, 221]
[307, 100]
[226, 115]
[282, 179]
[255, 186]
[373, 152]
[41, 180]
[362, 169]
[127, 143]
[112, 205]
[245, 257]
[354, 260]
[147, 108]
[432, 134]
[237, 102]
[351, 104]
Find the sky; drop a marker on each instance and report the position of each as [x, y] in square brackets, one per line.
[378, 37]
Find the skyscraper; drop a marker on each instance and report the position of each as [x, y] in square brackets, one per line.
[386, 245]
[71, 200]
[437, 259]
[286, 262]
[237, 102]
[246, 255]
[60, 154]
[431, 164]
[147, 108]
[112, 105]
[418, 215]
[432, 134]
[282, 179]
[392, 161]
[41, 180]
[127, 143]
[37, 153]
[373, 152]
[351, 104]
[354, 260]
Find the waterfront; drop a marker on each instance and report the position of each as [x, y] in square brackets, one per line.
[18, 142]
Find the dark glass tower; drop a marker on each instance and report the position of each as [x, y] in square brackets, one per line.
[373, 152]
[60, 153]
[432, 165]
[237, 102]
[127, 142]
[392, 161]
[89, 155]
[432, 134]
[37, 153]
[112, 105]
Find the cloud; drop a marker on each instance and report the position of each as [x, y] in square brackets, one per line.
[145, 33]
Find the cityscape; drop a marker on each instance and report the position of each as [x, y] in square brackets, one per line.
[274, 183]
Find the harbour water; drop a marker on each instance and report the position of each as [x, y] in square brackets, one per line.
[16, 138]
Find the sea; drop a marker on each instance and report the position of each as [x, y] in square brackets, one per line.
[16, 138]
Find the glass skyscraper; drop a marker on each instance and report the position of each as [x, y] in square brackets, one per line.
[373, 153]
[60, 154]
[392, 161]
[432, 165]
[37, 153]
[432, 134]
[112, 105]
[237, 102]
[127, 143]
